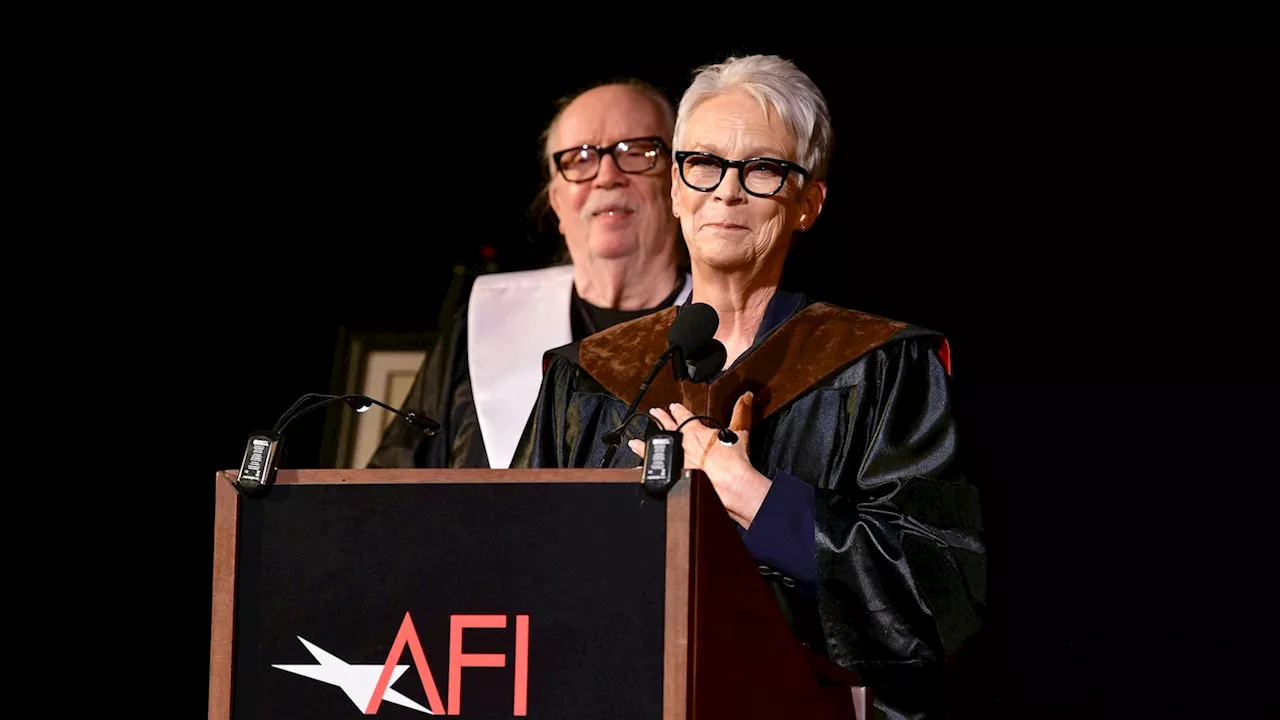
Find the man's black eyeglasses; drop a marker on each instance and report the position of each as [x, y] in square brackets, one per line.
[633, 155]
[759, 176]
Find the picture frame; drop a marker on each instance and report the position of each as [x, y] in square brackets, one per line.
[382, 366]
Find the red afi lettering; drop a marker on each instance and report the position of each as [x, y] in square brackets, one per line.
[408, 636]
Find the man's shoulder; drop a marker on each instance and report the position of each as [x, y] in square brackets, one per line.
[517, 280]
[523, 312]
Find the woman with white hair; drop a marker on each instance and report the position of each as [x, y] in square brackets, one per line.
[843, 480]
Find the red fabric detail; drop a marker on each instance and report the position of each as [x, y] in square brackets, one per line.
[944, 354]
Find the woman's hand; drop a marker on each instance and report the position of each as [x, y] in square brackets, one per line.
[740, 486]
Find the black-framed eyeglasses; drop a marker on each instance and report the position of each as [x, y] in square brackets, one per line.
[759, 176]
[633, 155]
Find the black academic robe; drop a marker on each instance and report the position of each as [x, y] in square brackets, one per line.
[441, 391]
[857, 406]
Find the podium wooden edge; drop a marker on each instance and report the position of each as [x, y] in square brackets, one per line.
[226, 519]
[675, 662]
[392, 476]
[676, 606]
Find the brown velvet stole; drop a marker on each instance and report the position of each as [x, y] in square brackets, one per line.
[813, 344]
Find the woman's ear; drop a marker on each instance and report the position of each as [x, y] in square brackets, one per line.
[675, 190]
[811, 202]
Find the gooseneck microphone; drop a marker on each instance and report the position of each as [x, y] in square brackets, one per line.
[359, 403]
[265, 450]
[694, 326]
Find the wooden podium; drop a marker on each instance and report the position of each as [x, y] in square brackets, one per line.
[499, 594]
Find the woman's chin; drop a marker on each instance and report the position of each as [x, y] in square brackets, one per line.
[721, 254]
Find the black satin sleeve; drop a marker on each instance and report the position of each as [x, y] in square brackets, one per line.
[542, 441]
[900, 558]
[442, 391]
[569, 420]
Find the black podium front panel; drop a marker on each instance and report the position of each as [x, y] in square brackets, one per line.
[523, 600]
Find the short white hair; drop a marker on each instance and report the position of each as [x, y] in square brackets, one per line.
[774, 82]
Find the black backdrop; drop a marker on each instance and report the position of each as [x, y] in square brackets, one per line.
[1080, 223]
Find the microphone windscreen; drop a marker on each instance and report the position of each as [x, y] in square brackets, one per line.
[707, 362]
[694, 325]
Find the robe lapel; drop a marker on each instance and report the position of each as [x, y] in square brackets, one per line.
[806, 349]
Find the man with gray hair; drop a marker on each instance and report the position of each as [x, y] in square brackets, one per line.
[607, 155]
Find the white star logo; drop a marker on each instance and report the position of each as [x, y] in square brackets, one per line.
[357, 681]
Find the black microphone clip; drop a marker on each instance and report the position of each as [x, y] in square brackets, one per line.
[262, 455]
[664, 453]
[663, 461]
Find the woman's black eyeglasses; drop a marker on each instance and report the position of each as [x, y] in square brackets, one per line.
[759, 176]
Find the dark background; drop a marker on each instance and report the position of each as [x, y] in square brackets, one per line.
[1088, 226]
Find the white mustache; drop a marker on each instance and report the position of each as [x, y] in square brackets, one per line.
[595, 206]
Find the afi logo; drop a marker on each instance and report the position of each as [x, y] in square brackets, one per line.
[355, 680]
